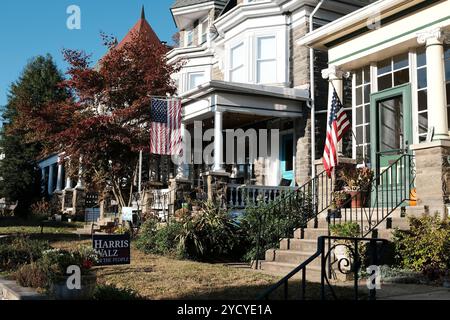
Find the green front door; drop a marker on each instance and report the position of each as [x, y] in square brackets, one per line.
[391, 134]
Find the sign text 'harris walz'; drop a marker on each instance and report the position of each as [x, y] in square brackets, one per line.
[112, 249]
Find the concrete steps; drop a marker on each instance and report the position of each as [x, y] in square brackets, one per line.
[303, 245]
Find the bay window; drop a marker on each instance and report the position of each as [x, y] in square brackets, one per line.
[195, 79]
[266, 60]
[237, 59]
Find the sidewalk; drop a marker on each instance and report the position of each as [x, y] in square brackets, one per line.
[412, 292]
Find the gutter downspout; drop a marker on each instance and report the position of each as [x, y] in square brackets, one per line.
[312, 91]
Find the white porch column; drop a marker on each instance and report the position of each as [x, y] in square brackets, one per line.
[59, 181]
[218, 142]
[335, 79]
[183, 168]
[80, 184]
[51, 172]
[43, 186]
[437, 101]
[68, 179]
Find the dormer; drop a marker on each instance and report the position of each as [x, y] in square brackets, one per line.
[194, 18]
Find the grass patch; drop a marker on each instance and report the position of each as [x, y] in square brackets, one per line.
[21, 226]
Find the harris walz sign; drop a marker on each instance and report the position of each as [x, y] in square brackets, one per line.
[112, 249]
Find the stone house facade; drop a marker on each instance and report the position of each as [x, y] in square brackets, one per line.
[244, 69]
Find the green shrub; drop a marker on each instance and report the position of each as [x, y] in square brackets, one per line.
[160, 241]
[19, 251]
[425, 247]
[270, 222]
[32, 276]
[208, 235]
[348, 230]
[56, 261]
[110, 292]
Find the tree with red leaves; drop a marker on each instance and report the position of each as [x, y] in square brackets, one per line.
[108, 122]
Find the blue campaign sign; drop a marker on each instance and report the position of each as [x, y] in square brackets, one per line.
[112, 249]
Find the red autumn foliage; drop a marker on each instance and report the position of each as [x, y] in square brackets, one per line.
[107, 121]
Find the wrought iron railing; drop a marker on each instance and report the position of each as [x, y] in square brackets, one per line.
[350, 262]
[162, 201]
[292, 210]
[239, 196]
[389, 190]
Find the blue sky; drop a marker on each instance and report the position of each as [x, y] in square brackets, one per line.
[33, 27]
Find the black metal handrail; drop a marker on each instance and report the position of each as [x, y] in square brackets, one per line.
[295, 208]
[380, 197]
[353, 263]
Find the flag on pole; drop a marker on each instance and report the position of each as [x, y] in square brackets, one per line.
[165, 131]
[337, 126]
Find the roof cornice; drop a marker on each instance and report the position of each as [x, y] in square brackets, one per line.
[354, 21]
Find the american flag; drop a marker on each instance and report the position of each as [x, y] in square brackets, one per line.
[165, 129]
[338, 125]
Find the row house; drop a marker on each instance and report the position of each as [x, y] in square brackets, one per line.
[244, 69]
[395, 57]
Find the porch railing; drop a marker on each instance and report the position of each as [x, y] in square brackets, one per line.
[238, 196]
[350, 263]
[386, 192]
[292, 210]
[162, 202]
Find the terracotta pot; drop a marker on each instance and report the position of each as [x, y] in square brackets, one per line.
[359, 199]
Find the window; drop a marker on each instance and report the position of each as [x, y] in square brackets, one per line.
[393, 72]
[422, 94]
[237, 57]
[189, 37]
[195, 79]
[362, 91]
[266, 61]
[204, 30]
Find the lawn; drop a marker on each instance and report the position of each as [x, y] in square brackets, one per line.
[31, 226]
[164, 278]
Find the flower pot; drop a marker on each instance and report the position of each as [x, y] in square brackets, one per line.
[359, 199]
[61, 291]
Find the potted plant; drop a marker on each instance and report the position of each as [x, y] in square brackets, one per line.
[58, 262]
[357, 183]
[339, 199]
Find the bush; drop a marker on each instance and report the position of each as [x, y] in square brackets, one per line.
[270, 222]
[425, 247]
[347, 230]
[56, 261]
[208, 235]
[110, 292]
[32, 276]
[161, 241]
[20, 251]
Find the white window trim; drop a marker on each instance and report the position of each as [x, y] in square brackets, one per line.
[188, 79]
[202, 32]
[235, 68]
[257, 60]
[187, 33]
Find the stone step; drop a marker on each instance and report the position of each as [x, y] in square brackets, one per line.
[306, 245]
[385, 234]
[282, 269]
[310, 233]
[290, 256]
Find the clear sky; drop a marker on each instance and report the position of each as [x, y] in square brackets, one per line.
[36, 27]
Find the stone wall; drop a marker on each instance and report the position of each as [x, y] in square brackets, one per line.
[303, 154]
[433, 175]
[217, 74]
[299, 67]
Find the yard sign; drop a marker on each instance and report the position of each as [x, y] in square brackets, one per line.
[112, 249]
